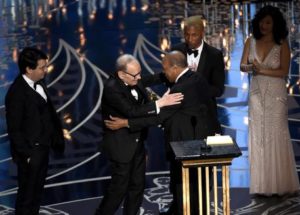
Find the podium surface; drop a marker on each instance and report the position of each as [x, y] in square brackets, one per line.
[185, 150]
[195, 153]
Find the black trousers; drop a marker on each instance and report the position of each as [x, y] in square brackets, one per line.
[31, 180]
[127, 182]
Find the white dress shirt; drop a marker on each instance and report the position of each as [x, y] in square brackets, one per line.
[194, 61]
[39, 89]
[135, 94]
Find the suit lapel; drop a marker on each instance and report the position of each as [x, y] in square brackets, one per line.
[203, 59]
[45, 89]
[31, 92]
[49, 101]
[126, 90]
[143, 96]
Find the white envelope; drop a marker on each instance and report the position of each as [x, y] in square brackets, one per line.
[219, 140]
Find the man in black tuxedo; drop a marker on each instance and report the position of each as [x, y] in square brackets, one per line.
[204, 59]
[125, 96]
[33, 128]
[188, 120]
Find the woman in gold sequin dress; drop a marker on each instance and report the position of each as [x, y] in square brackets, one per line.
[271, 156]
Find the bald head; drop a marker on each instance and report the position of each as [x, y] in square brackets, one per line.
[176, 58]
[174, 63]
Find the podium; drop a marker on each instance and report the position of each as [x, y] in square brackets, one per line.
[190, 155]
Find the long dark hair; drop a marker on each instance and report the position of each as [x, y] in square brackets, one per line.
[280, 30]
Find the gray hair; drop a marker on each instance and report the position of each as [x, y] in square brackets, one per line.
[123, 60]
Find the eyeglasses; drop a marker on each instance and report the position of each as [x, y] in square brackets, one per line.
[134, 76]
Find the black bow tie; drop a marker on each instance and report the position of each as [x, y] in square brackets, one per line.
[195, 52]
[35, 84]
[132, 87]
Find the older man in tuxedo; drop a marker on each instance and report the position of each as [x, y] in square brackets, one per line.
[125, 96]
[188, 120]
[204, 59]
[33, 128]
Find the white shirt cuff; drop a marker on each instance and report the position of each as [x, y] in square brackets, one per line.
[157, 108]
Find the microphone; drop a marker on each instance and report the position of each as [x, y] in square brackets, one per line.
[194, 123]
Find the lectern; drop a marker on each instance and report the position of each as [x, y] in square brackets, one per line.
[194, 154]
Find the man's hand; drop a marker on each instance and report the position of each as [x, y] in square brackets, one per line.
[116, 123]
[169, 99]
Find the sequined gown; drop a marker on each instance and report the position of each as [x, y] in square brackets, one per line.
[271, 156]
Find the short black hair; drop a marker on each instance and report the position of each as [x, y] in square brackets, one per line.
[280, 30]
[29, 57]
[177, 58]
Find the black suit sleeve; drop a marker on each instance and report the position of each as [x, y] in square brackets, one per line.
[14, 115]
[217, 76]
[136, 124]
[114, 98]
[166, 112]
[58, 141]
[194, 89]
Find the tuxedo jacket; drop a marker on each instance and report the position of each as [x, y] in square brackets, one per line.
[188, 120]
[31, 120]
[211, 67]
[120, 145]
